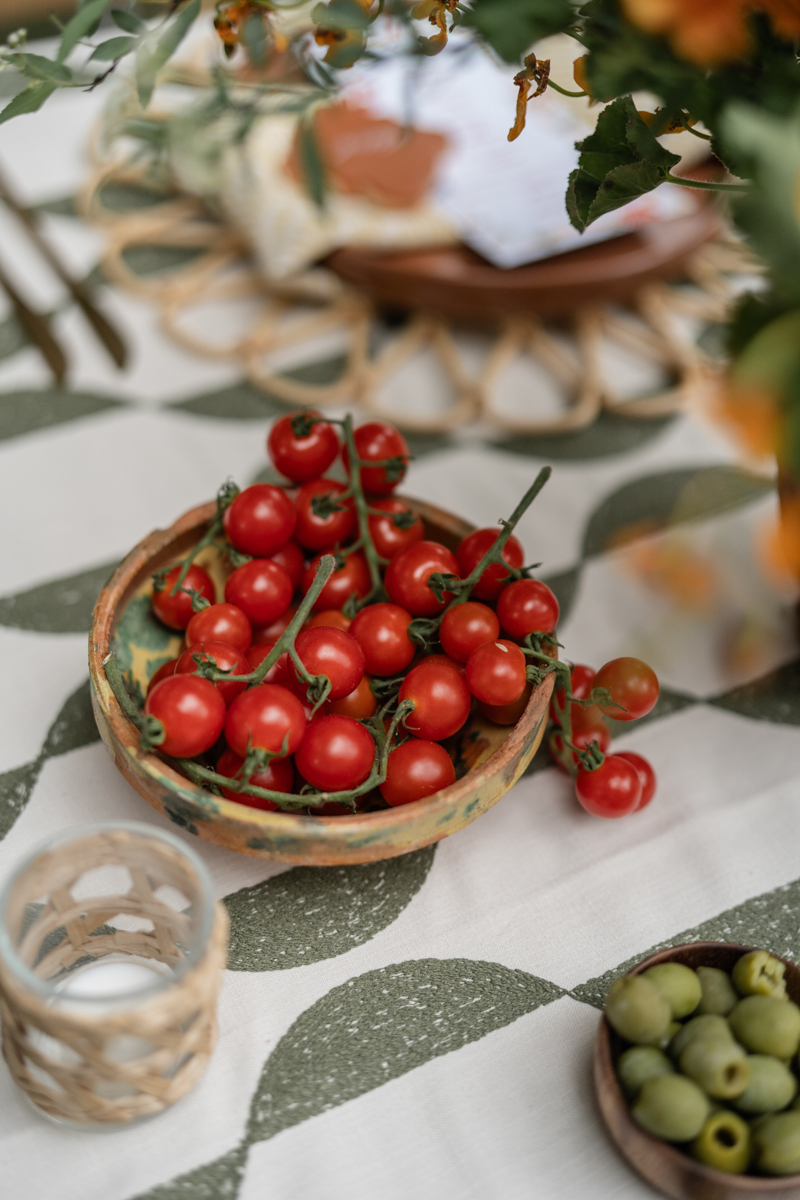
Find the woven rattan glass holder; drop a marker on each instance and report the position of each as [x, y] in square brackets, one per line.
[111, 957]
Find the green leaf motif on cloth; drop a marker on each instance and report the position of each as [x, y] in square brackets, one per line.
[218, 1180]
[61, 606]
[27, 411]
[774, 697]
[309, 914]
[609, 434]
[16, 789]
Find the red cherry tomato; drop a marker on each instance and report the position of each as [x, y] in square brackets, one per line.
[441, 701]
[496, 672]
[260, 520]
[330, 617]
[163, 672]
[613, 790]
[261, 589]
[353, 579]
[359, 704]
[581, 684]
[632, 684]
[336, 754]
[447, 660]
[381, 631]
[290, 557]
[332, 652]
[416, 769]
[226, 658]
[408, 573]
[492, 581]
[301, 457]
[176, 611]
[647, 775]
[527, 606]
[319, 532]
[220, 623]
[389, 538]
[192, 712]
[278, 777]
[278, 672]
[507, 714]
[375, 441]
[587, 726]
[265, 717]
[466, 627]
[270, 633]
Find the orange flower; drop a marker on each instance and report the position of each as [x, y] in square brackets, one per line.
[708, 32]
[752, 414]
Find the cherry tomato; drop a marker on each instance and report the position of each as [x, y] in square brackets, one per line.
[331, 617]
[261, 589]
[416, 769]
[466, 627]
[266, 717]
[581, 684]
[270, 633]
[375, 441]
[496, 672]
[359, 704]
[441, 701]
[389, 538]
[290, 557]
[226, 658]
[632, 684]
[192, 712]
[332, 652]
[278, 777]
[587, 726]
[301, 457]
[492, 581]
[409, 571]
[381, 631]
[278, 672]
[163, 672]
[319, 532]
[527, 606]
[507, 714]
[647, 776]
[353, 579]
[613, 790]
[220, 623]
[176, 611]
[260, 520]
[447, 660]
[336, 754]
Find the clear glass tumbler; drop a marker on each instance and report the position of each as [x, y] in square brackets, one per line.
[111, 957]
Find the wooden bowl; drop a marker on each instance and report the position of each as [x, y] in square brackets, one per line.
[665, 1166]
[494, 756]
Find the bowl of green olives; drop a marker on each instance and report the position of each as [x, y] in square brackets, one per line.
[697, 1075]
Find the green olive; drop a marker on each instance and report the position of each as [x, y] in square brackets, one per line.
[709, 1025]
[771, 1086]
[759, 974]
[724, 1143]
[671, 1107]
[719, 995]
[776, 1141]
[679, 986]
[766, 1025]
[717, 1064]
[637, 1010]
[639, 1064]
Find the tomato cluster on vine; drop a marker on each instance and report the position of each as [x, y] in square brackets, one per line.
[349, 646]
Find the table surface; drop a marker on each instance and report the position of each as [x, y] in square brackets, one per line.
[421, 1026]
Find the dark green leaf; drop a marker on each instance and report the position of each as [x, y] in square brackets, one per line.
[116, 47]
[74, 726]
[309, 914]
[774, 697]
[84, 23]
[31, 100]
[254, 38]
[61, 606]
[340, 14]
[750, 315]
[609, 434]
[25, 411]
[158, 47]
[35, 66]
[16, 789]
[313, 167]
[511, 26]
[127, 21]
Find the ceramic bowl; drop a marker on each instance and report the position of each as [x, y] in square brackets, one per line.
[665, 1166]
[490, 758]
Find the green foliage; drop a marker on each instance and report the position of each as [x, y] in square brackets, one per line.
[511, 26]
[114, 48]
[340, 14]
[619, 161]
[31, 100]
[312, 164]
[127, 21]
[35, 66]
[82, 25]
[749, 316]
[157, 48]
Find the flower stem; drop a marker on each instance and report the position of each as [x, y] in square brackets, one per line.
[709, 187]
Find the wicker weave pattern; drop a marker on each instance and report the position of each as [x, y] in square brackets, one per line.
[84, 1082]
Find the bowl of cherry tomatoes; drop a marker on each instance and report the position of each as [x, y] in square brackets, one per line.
[323, 672]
